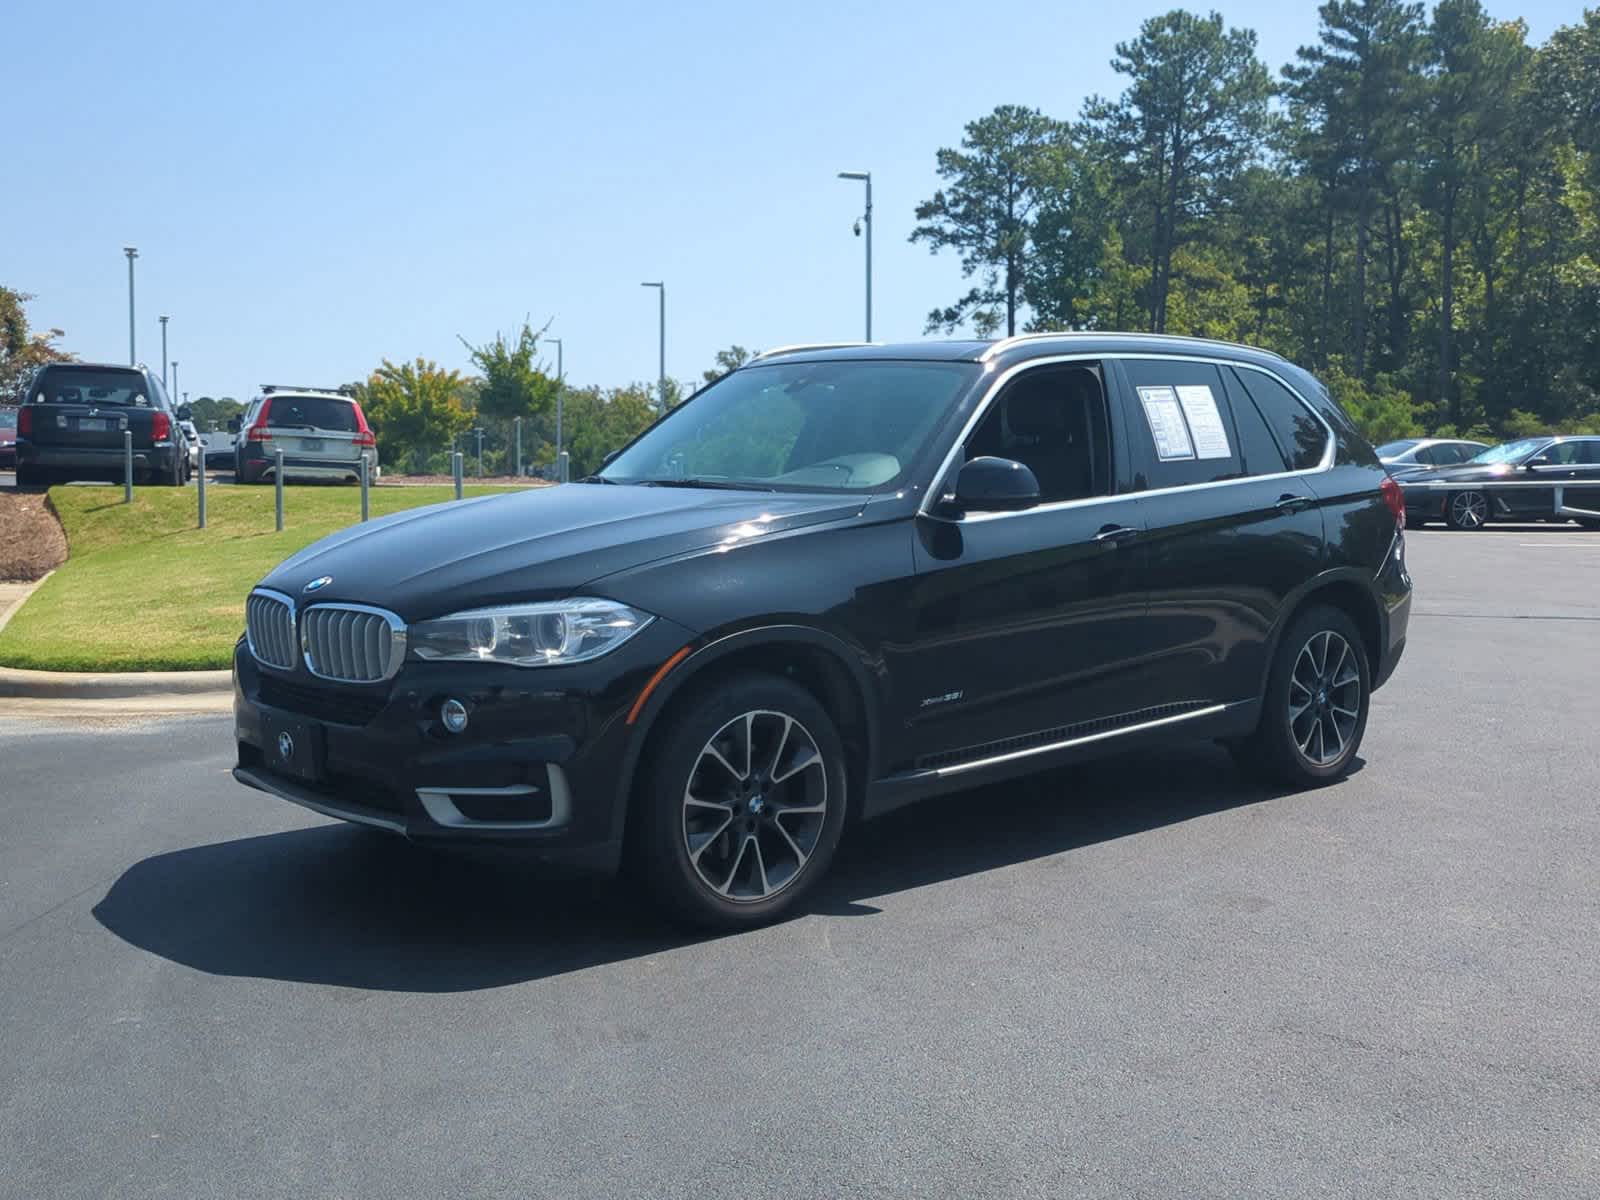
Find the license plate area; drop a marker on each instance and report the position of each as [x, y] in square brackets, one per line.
[313, 445]
[294, 746]
[93, 424]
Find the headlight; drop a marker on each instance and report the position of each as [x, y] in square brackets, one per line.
[551, 634]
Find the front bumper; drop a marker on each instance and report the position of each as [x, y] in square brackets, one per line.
[537, 770]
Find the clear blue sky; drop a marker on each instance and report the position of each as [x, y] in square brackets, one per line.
[313, 187]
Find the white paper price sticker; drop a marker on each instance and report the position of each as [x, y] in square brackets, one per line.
[1167, 426]
[1205, 422]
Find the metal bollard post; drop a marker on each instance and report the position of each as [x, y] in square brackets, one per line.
[277, 483]
[201, 482]
[455, 466]
[127, 466]
[517, 422]
[562, 461]
[365, 462]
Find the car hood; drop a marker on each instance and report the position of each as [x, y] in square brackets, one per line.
[537, 544]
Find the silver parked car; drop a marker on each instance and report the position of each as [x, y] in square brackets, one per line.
[322, 433]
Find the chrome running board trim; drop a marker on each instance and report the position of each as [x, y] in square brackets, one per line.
[1068, 743]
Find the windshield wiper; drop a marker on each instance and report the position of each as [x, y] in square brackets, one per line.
[697, 481]
[596, 479]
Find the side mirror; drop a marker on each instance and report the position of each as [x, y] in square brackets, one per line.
[185, 413]
[1535, 462]
[988, 484]
[233, 424]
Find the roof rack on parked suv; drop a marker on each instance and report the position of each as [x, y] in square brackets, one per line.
[268, 388]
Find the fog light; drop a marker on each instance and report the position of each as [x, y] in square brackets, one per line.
[453, 714]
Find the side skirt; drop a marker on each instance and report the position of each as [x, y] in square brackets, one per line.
[1208, 721]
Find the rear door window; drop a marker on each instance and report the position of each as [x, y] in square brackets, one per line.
[1180, 423]
[312, 412]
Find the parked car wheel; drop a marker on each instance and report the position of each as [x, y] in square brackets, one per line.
[29, 477]
[1314, 711]
[178, 476]
[1414, 520]
[741, 803]
[1467, 510]
[1589, 522]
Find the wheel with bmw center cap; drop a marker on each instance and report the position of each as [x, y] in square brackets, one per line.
[1314, 711]
[740, 802]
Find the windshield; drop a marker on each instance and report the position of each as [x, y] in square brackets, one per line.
[1510, 451]
[312, 412]
[835, 426]
[102, 388]
[1396, 449]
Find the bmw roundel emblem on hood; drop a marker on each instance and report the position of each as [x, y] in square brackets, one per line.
[316, 585]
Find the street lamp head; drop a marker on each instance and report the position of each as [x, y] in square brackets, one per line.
[163, 320]
[855, 174]
[658, 284]
[131, 251]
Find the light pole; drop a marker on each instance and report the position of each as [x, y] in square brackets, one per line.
[174, 376]
[164, 321]
[661, 372]
[133, 357]
[866, 178]
[561, 395]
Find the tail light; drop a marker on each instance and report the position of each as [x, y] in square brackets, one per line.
[364, 436]
[259, 431]
[24, 421]
[160, 426]
[1395, 499]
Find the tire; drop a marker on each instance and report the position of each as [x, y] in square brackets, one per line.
[1586, 522]
[1414, 521]
[1466, 510]
[31, 477]
[1287, 748]
[176, 478]
[704, 835]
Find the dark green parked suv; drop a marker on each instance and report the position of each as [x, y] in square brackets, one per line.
[73, 416]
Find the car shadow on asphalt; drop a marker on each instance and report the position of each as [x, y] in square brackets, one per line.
[339, 905]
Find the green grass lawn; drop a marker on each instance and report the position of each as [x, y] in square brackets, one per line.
[144, 590]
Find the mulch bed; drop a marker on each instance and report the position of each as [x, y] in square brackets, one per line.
[31, 541]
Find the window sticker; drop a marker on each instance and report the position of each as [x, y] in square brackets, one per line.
[1205, 422]
[1167, 427]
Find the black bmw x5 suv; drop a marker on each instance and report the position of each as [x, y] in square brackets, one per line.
[841, 579]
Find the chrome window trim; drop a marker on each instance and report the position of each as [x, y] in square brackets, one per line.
[982, 408]
[294, 627]
[397, 642]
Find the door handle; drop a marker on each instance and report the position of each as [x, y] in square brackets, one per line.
[1112, 536]
[1292, 503]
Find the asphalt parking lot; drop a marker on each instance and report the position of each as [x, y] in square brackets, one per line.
[1137, 978]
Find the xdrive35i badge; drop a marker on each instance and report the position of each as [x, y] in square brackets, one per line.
[316, 585]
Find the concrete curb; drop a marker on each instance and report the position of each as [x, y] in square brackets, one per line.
[74, 685]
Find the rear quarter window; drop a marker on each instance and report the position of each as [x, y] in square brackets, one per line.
[1302, 438]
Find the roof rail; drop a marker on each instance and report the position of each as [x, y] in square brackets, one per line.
[1007, 343]
[268, 388]
[800, 346]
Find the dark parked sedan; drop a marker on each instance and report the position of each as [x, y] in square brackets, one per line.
[1415, 456]
[73, 418]
[834, 582]
[1531, 479]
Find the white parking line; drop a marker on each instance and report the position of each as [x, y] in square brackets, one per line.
[1581, 545]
